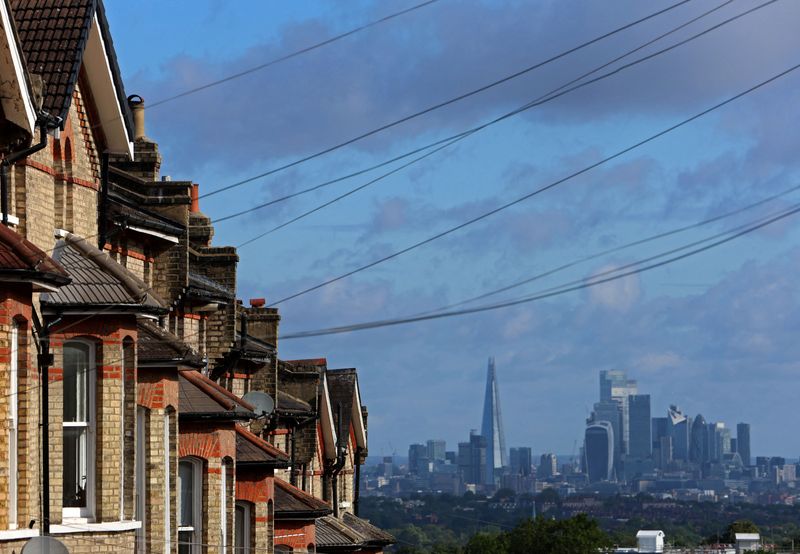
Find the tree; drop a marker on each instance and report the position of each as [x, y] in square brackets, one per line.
[487, 543]
[738, 526]
[577, 535]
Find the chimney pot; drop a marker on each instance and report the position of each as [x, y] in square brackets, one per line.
[257, 302]
[136, 104]
[195, 198]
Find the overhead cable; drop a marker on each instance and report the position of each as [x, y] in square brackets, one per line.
[540, 190]
[442, 104]
[587, 283]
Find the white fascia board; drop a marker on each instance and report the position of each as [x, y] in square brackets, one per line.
[169, 238]
[27, 120]
[328, 430]
[104, 92]
[79, 526]
[358, 418]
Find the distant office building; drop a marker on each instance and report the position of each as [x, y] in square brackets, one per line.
[641, 444]
[599, 451]
[548, 466]
[616, 387]
[417, 457]
[451, 457]
[659, 428]
[436, 450]
[664, 452]
[492, 428]
[386, 468]
[472, 459]
[698, 447]
[611, 412]
[521, 460]
[735, 446]
[680, 431]
[743, 442]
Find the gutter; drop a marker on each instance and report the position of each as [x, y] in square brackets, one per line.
[217, 416]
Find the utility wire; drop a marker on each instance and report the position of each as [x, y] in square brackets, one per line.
[619, 248]
[554, 184]
[546, 97]
[549, 293]
[442, 104]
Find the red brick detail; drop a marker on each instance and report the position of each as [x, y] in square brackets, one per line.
[157, 388]
[207, 440]
[128, 253]
[297, 535]
[255, 485]
[280, 432]
[62, 176]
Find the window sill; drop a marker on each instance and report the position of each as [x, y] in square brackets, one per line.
[16, 534]
[12, 219]
[80, 526]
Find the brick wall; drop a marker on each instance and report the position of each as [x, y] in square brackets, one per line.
[15, 306]
[298, 535]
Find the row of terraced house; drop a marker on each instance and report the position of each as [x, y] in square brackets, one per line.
[127, 364]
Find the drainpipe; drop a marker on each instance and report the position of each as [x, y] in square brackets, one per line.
[14, 157]
[102, 213]
[45, 360]
[338, 465]
[292, 472]
[357, 486]
[305, 469]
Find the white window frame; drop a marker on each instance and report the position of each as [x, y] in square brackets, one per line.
[245, 521]
[140, 477]
[13, 431]
[197, 509]
[86, 513]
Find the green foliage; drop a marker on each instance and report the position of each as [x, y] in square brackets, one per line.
[487, 543]
[576, 535]
[739, 526]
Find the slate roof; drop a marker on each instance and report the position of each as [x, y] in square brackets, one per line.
[373, 535]
[20, 259]
[342, 388]
[289, 403]
[53, 36]
[202, 398]
[293, 503]
[98, 280]
[206, 288]
[332, 534]
[157, 345]
[253, 450]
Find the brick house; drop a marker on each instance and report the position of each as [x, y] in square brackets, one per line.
[147, 352]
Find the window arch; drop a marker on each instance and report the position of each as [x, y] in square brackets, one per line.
[78, 428]
[190, 505]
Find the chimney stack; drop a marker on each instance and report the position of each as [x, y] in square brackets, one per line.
[195, 198]
[257, 302]
[136, 103]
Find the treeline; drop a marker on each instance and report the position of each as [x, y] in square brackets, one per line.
[446, 524]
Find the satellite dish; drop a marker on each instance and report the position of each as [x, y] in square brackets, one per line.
[44, 545]
[261, 401]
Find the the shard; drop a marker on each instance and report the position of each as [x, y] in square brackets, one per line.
[492, 428]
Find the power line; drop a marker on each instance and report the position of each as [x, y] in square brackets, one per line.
[549, 293]
[441, 104]
[619, 248]
[546, 97]
[554, 184]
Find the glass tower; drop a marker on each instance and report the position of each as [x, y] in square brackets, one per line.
[492, 428]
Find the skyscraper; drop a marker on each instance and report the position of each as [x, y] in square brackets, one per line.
[610, 411]
[698, 447]
[616, 387]
[743, 442]
[548, 466]
[472, 458]
[599, 451]
[492, 428]
[436, 450]
[680, 431]
[521, 460]
[641, 442]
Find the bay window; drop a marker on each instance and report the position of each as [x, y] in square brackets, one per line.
[78, 432]
[13, 431]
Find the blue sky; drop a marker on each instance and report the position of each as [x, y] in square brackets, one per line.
[714, 333]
